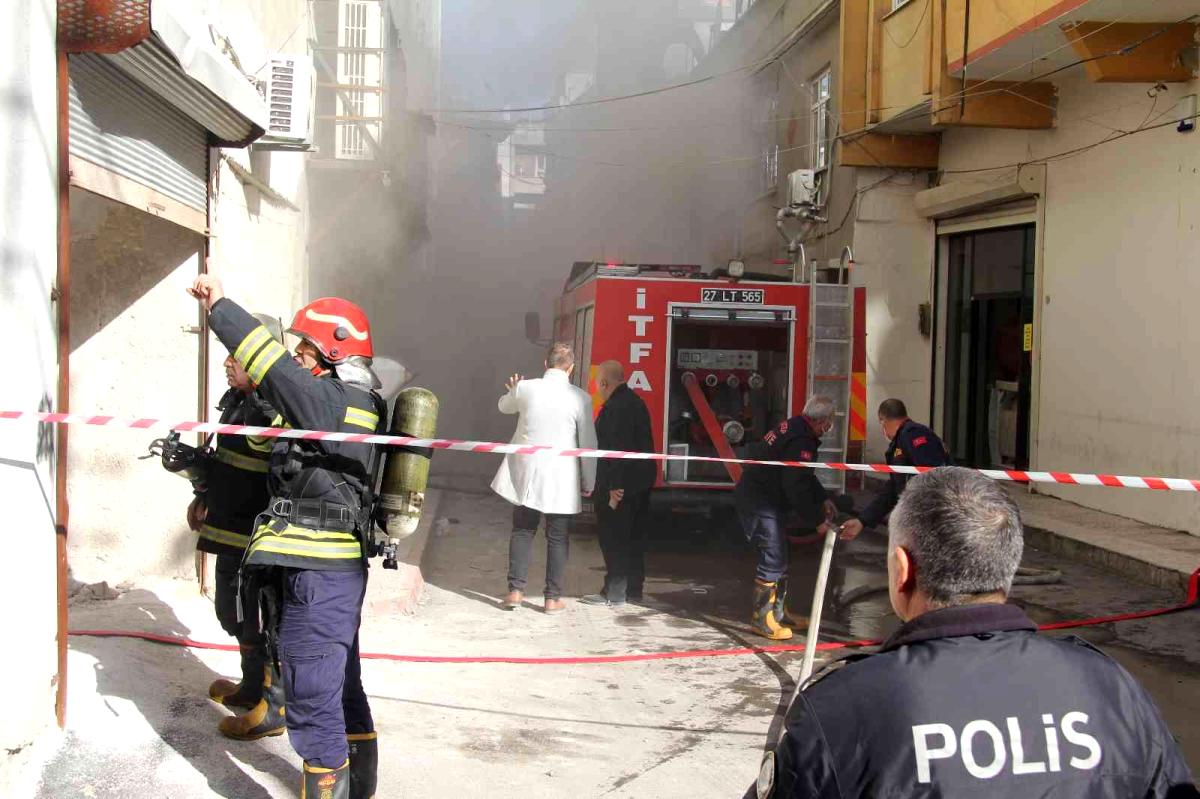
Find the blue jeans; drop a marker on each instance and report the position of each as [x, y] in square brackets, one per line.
[322, 677]
[767, 535]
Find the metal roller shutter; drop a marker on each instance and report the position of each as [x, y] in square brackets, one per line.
[120, 126]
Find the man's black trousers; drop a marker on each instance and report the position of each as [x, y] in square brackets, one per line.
[623, 544]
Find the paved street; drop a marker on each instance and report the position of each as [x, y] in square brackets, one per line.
[139, 722]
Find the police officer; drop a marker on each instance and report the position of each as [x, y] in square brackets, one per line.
[966, 698]
[312, 539]
[223, 512]
[911, 444]
[767, 495]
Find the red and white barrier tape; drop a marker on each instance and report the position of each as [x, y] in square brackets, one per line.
[1011, 475]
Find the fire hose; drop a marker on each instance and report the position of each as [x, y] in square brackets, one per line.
[1191, 601]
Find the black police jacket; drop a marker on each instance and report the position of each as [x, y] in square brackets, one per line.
[776, 490]
[320, 489]
[236, 485]
[624, 424]
[914, 445]
[972, 701]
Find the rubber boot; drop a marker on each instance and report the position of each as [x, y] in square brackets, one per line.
[785, 615]
[244, 694]
[364, 764]
[265, 718]
[326, 783]
[763, 620]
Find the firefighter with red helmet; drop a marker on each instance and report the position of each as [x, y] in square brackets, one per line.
[309, 549]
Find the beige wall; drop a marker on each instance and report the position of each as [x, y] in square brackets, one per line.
[28, 247]
[130, 355]
[893, 252]
[1120, 287]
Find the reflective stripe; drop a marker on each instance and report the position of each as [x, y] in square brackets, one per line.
[362, 418]
[265, 360]
[260, 443]
[320, 544]
[227, 537]
[283, 546]
[237, 460]
[362, 736]
[250, 344]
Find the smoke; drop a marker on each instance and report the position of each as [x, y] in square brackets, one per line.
[483, 213]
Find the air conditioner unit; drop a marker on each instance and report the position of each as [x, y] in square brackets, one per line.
[289, 90]
[803, 187]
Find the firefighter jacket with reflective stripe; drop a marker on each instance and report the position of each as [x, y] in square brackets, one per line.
[914, 445]
[776, 490]
[971, 701]
[311, 482]
[237, 478]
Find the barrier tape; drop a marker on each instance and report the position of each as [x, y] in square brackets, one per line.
[1190, 601]
[1009, 475]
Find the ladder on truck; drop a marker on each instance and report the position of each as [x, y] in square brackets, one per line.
[830, 358]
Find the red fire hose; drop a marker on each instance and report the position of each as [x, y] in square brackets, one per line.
[1191, 601]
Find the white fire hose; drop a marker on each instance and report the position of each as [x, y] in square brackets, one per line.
[818, 604]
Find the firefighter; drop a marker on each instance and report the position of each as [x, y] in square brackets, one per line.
[223, 512]
[311, 543]
[767, 495]
[966, 698]
[912, 444]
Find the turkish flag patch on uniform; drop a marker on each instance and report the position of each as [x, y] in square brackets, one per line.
[920, 442]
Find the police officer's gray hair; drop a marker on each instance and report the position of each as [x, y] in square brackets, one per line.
[819, 408]
[963, 532]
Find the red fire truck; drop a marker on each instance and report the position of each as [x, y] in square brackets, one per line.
[720, 360]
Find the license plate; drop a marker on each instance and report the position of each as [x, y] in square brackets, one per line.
[732, 296]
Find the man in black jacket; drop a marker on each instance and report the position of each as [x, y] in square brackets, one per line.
[911, 444]
[768, 495]
[622, 494]
[966, 698]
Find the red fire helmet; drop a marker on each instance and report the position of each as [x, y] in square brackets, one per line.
[336, 327]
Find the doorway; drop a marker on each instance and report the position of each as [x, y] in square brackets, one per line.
[988, 288]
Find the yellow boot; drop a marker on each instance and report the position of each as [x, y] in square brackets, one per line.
[763, 620]
[244, 694]
[326, 783]
[364, 764]
[785, 615]
[265, 718]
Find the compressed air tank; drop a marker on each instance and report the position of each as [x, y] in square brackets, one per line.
[406, 472]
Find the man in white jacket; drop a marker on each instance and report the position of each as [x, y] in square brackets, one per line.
[554, 413]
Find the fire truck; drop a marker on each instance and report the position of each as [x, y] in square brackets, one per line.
[720, 360]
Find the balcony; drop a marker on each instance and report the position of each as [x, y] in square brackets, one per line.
[910, 69]
[1020, 39]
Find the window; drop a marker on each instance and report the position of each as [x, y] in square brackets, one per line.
[821, 134]
[360, 32]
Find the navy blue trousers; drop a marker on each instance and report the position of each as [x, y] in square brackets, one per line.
[322, 676]
[767, 534]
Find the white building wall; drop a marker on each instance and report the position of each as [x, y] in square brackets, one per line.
[28, 251]
[1120, 287]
